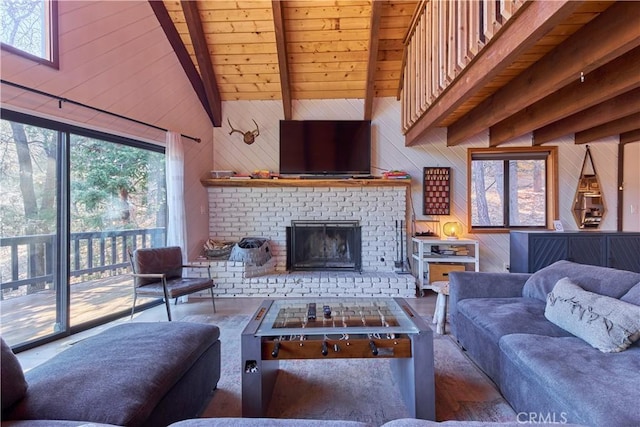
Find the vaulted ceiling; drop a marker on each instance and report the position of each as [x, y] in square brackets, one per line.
[327, 49]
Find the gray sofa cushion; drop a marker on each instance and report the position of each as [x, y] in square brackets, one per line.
[633, 296]
[266, 422]
[481, 322]
[13, 385]
[144, 361]
[567, 377]
[608, 324]
[601, 280]
[52, 423]
[523, 420]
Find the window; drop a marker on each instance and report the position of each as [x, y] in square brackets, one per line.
[512, 188]
[30, 29]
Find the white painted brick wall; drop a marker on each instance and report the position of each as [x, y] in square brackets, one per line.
[237, 212]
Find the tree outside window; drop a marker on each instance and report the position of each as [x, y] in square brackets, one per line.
[30, 29]
[512, 188]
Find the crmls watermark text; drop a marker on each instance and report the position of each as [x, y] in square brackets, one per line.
[542, 418]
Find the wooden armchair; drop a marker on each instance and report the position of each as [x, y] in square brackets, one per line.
[157, 272]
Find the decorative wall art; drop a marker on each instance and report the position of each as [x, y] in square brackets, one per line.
[437, 191]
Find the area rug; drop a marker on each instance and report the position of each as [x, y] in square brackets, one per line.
[354, 389]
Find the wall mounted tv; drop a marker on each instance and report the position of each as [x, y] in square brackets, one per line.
[325, 147]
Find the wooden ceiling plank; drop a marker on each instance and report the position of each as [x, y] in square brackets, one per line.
[605, 38]
[184, 58]
[369, 93]
[631, 136]
[610, 80]
[321, 12]
[192, 16]
[283, 58]
[616, 127]
[613, 109]
[533, 20]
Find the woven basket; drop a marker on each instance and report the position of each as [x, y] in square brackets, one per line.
[222, 250]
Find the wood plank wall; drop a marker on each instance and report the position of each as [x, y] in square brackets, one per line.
[115, 56]
[389, 152]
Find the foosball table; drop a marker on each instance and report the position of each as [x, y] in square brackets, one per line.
[323, 328]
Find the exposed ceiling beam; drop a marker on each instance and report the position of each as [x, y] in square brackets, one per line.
[615, 108]
[616, 127]
[608, 81]
[181, 52]
[374, 31]
[196, 32]
[521, 32]
[632, 136]
[283, 61]
[608, 36]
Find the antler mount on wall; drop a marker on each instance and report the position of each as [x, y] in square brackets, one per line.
[248, 137]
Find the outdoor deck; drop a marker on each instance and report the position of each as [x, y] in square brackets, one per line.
[28, 317]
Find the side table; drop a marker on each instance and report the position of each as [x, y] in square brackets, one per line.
[440, 313]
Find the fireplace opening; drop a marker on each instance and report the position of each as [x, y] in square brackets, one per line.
[324, 245]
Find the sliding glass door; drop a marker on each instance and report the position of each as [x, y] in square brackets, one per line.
[30, 227]
[74, 201]
[117, 203]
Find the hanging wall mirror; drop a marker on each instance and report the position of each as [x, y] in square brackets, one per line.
[588, 205]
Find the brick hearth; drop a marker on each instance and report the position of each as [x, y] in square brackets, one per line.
[254, 210]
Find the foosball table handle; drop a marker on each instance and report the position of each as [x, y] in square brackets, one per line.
[374, 348]
[276, 350]
[325, 348]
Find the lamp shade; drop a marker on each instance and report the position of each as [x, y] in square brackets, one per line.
[452, 230]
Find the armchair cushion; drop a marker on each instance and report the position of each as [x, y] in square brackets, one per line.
[176, 287]
[166, 261]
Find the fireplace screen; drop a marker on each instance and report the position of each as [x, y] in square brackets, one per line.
[324, 245]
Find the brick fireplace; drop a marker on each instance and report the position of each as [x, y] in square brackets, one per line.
[265, 208]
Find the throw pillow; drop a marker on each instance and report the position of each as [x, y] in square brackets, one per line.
[13, 385]
[608, 324]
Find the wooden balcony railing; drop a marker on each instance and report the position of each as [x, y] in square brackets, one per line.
[444, 38]
[29, 260]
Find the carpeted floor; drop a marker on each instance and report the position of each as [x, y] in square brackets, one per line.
[355, 389]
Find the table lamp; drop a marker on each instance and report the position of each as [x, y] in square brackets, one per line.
[452, 230]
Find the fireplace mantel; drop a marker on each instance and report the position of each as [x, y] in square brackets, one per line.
[289, 182]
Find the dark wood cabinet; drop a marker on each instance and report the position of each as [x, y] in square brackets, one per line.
[532, 250]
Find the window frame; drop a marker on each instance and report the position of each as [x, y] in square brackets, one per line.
[51, 22]
[551, 188]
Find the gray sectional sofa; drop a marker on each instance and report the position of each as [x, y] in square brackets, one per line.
[133, 374]
[561, 343]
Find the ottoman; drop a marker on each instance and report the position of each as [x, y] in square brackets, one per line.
[133, 374]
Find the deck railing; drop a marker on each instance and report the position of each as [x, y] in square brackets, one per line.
[29, 260]
[444, 38]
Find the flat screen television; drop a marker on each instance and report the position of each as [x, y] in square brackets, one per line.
[325, 147]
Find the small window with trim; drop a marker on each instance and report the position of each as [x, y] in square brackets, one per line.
[30, 29]
[511, 188]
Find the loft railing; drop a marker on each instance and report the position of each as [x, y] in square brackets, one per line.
[29, 260]
[444, 38]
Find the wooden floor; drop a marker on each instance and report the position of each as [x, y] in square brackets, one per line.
[224, 307]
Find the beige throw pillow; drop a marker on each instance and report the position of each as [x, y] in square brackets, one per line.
[608, 324]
